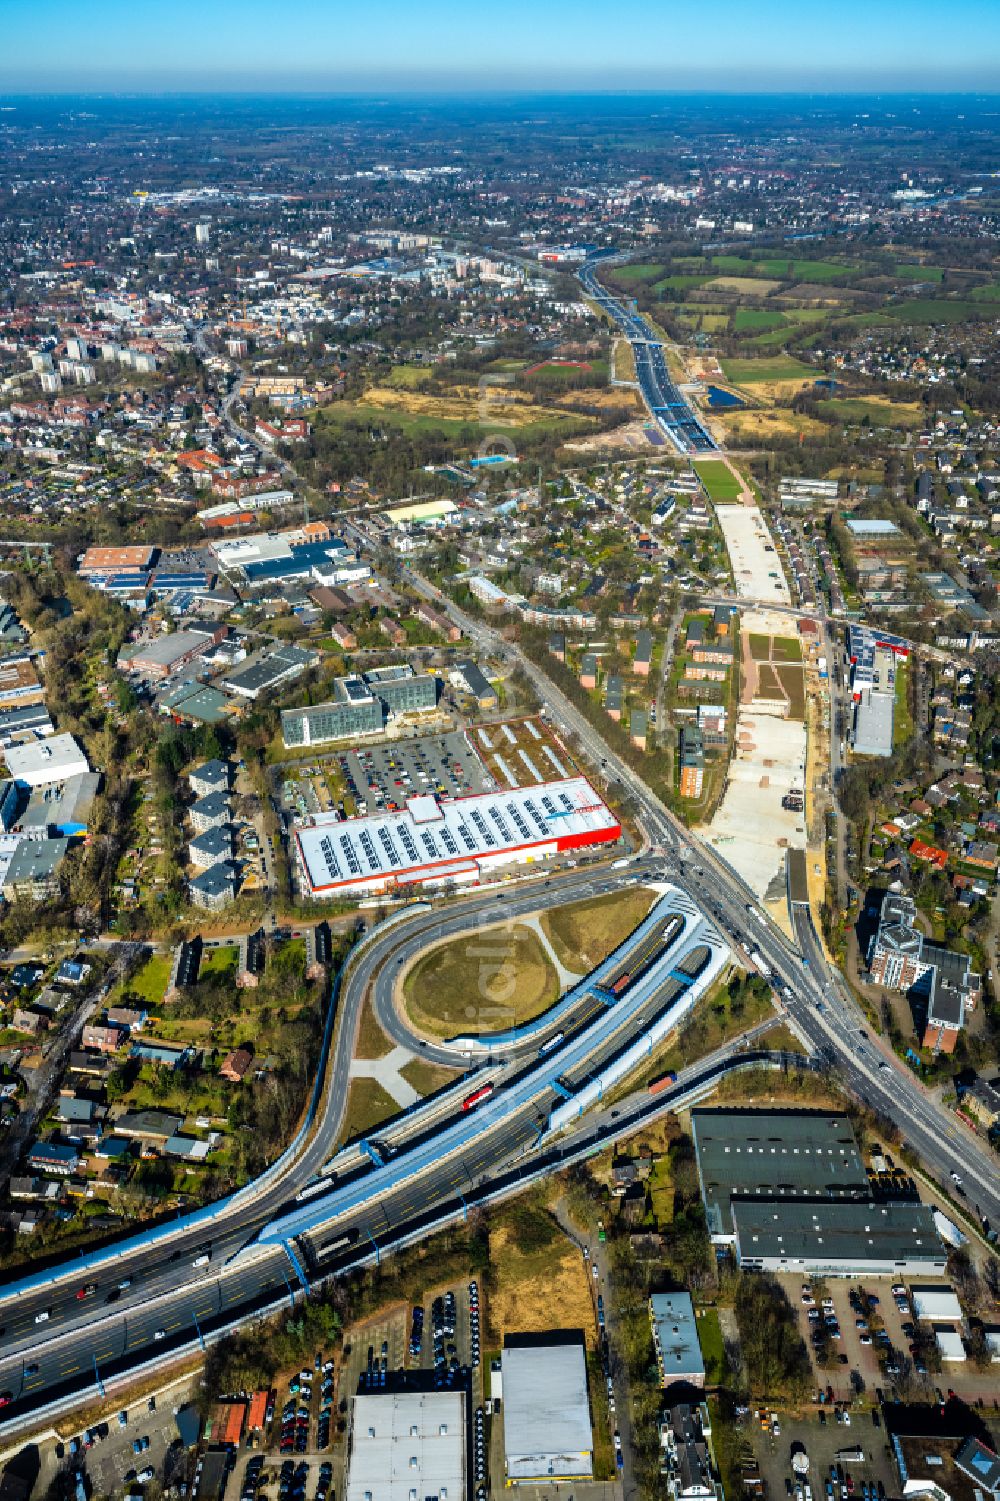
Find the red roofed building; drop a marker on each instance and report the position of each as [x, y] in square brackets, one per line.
[929, 852]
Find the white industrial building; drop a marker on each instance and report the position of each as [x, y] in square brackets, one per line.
[42, 762]
[546, 1416]
[950, 1345]
[935, 1304]
[405, 1446]
[458, 841]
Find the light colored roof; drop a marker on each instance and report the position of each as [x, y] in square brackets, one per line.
[546, 1415]
[933, 1303]
[406, 1445]
[949, 1343]
[468, 829]
[50, 760]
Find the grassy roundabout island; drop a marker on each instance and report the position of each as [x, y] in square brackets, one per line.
[482, 982]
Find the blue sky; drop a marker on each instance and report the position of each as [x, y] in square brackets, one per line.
[382, 45]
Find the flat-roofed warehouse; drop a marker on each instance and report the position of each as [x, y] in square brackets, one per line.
[837, 1238]
[546, 1415]
[454, 840]
[408, 1444]
[768, 1154]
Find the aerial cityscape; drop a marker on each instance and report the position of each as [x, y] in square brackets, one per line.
[500, 803]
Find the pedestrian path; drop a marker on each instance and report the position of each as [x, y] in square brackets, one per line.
[386, 1071]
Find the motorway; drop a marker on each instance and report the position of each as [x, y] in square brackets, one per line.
[671, 411]
[262, 1250]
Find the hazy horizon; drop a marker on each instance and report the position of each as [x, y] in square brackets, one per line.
[58, 46]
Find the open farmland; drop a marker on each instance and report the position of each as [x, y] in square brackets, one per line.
[879, 413]
[774, 370]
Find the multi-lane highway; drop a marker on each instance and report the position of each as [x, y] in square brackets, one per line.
[156, 1295]
[670, 409]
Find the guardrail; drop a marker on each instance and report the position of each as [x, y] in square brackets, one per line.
[511, 1184]
[209, 1214]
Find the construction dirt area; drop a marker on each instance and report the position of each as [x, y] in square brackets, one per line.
[752, 828]
[757, 571]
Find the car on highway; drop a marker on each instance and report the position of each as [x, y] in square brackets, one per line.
[86, 1291]
[44, 1316]
[159, 1334]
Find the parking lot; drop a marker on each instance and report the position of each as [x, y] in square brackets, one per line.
[379, 778]
[825, 1442]
[144, 1445]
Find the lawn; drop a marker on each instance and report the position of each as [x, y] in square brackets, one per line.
[584, 933]
[719, 480]
[495, 979]
[760, 647]
[712, 1348]
[218, 960]
[902, 719]
[773, 368]
[150, 982]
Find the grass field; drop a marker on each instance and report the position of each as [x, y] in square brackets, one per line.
[774, 368]
[426, 1078]
[368, 1105]
[584, 933]
[792, 679]
[786, 649]
[769, 685]
[719, 480]
[496, 979]
[757, 427]
[756, 320]
[906, 414]
[746, 286]
[680, 283]
[459, 416]
[539, 1290]
[372, 1041]
[902, 719]
[151, 981]
[923, 310]
[408, 377]
[631, 275]
[760, 647]
[779, 266]
[911, 271]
